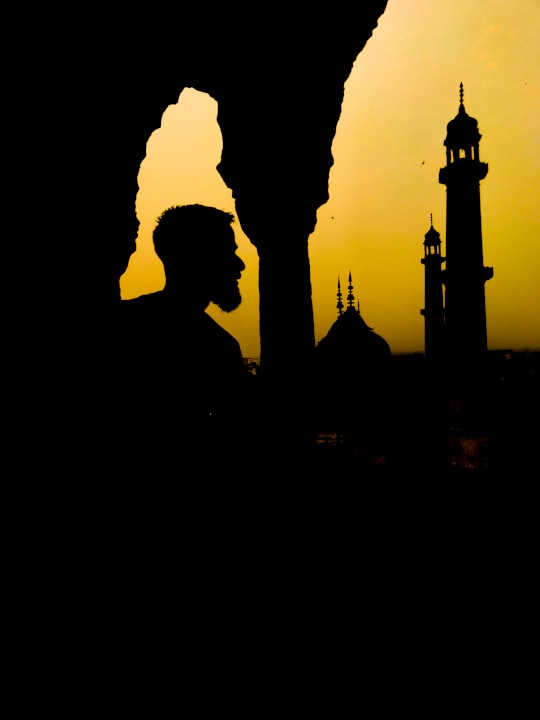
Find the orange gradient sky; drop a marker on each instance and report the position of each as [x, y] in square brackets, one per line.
[388, 149]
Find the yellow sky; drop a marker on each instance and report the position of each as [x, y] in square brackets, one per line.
[388, 149]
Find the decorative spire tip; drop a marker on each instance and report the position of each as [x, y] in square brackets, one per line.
[339, 301]
[461, 93]
[350, 296]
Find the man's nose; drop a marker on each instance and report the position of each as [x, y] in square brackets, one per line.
[241, 263]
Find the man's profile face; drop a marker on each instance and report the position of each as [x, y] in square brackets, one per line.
[226, 274]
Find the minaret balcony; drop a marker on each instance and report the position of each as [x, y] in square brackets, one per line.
[463, 170]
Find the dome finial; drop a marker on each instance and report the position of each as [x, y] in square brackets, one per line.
[461, 93]
[350, 296]
[431, 219]
[339, 295]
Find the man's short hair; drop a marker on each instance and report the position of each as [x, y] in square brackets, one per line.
[190, 231]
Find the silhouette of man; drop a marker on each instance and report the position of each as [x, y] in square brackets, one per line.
[189, 384]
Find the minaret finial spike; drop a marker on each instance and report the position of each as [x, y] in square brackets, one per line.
[350, 296]
[461, 93]
[339, 301]
[431, 219]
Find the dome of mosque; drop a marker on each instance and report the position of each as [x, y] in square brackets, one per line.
[350, 342]
[352, 383]
[350, 335]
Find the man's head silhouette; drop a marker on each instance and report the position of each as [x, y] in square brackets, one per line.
[197, 246]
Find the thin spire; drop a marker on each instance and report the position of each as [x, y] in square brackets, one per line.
[461, 93]
[350, 296]
[431, 219]
[339, 295]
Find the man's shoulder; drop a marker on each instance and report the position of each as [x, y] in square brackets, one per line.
[141, 301]
[143, 309]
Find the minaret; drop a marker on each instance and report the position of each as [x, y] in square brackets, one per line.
[433, 311]
[465, 274]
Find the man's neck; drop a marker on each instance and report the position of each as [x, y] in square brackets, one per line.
[188, 302]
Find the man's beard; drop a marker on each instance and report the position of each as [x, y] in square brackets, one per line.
[228, 297]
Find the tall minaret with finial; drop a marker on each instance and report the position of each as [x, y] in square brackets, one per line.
[433, 310]
[465, 274]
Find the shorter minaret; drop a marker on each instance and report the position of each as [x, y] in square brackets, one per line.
[433, 311]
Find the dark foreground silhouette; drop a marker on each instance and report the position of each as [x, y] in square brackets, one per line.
[186, 387]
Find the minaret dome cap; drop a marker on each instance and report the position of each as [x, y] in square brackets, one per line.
[432, 237]
[462, 131]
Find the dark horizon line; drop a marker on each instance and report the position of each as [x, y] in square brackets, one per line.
[422, 352]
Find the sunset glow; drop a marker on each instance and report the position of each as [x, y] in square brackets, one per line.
[388, 149]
